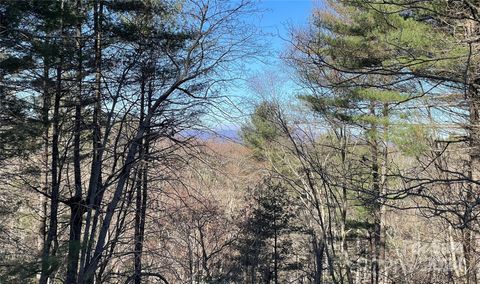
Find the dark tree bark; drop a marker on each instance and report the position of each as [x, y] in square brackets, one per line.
[376, 263]
[318, 251]
[141, 189]
[42, 233]
[94, 185]
[468, 242]
[75, 203]
[48, 253]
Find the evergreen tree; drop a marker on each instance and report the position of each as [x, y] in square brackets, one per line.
[262, 131]
[386, 54]
[265, 245]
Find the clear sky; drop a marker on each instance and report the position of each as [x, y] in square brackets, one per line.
[275, 20]
[278, 15]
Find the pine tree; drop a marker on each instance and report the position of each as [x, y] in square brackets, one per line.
[364, 53]
[265, 244]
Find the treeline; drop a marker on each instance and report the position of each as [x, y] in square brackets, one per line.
[381, 152]
[96, 97]
[368, 174]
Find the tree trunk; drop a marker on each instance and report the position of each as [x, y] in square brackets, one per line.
[140, 198]
[94, 185]
[47, 260]
[383, 187]
[137, 253]
[75, 203]
[474, 175]
[376, 199]
[275, 243]
[42, 230]
[470, 269]
[204, 255]
[344, 207]
[318, 250]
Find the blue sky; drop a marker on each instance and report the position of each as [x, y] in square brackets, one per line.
[275, 19]
[279, 14]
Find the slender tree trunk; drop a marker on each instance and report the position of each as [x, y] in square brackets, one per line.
[94, 185]
[472, 94]
[55, 182]
[138, 246]
[376, 195]
[344, 207]
[318, 249]
[75, 203]
[140, 188]
[383, 187]
[473, 190]
[47, 260]
[275, 243]
[207, 277]
[469, 257]
[42, 230]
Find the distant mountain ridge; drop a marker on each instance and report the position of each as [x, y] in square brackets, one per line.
[227, 134]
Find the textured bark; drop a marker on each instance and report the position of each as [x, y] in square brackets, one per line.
[376, 268]
[42, 230]
[48, 252]
[344, 208]
[473, 189]
[75, 203]
[383, 187]
[141, 194]
[318, 250]
[94, 185]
